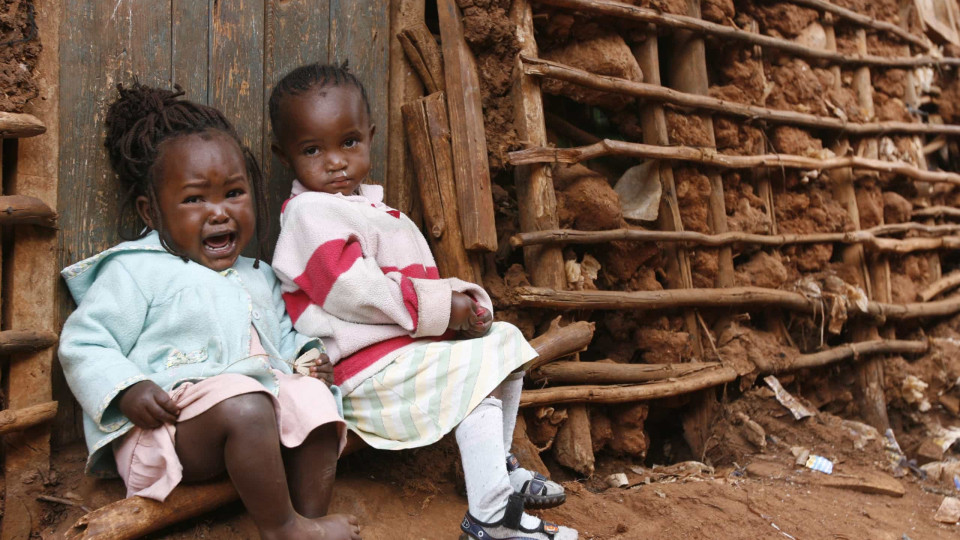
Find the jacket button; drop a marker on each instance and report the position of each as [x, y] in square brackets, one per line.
[256, 315]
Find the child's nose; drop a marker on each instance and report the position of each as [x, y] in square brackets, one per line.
[218, 213]
[335, 161]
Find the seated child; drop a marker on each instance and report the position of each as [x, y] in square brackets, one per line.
[416, 356]
[178, 348]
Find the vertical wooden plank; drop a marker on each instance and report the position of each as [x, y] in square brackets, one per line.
[103, 43]
[405, 86]
[190, 47]
[466, 125]
[359, 32]
[33, 299]
[297, 33]
[236, 67]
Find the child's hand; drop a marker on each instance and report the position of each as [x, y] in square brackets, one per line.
[478, 323]
[461, 308]
[148, 406]
[315, 364]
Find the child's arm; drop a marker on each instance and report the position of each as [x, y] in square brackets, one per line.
[95, 341]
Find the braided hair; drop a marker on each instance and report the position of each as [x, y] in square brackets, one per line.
[309, 77]
[138, 122]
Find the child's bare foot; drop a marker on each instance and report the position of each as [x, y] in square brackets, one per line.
[332, 527]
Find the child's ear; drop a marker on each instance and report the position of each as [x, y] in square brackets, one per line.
[143, 208]
[275, 148]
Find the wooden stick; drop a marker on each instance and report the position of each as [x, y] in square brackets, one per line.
[546, 68]
[428, 135]
[564, 128]
[863, 20]
[623, 394]
[20, 125]
[940, 286]
[845, 351]
[560, 373]
[24, 210]
[21, 419]
[135, 517]
[937, 211]
[21, 341]
[475, 198]
[621, 11]
[886, 245]
[731, 298]
[709, 156]
[559, 341]
[424, 55]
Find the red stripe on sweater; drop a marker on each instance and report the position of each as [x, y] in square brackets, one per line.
[297, 302]
[324, 267]
[352, 365]
[414, 271]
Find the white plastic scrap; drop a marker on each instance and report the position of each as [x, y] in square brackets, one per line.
[913, 392]
[786, 399]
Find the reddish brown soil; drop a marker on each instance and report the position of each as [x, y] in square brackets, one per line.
[605, 54]
[17, 60]
[778, 19]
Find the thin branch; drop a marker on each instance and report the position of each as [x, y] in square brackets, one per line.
[709, 156]
[937, 211]
[940, 286]
[653, 92]
[643, 15]
[863, 20]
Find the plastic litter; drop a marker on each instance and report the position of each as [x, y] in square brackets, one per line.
[819, 463]
[786, 399]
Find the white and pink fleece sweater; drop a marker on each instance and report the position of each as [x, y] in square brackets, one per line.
[360, 276]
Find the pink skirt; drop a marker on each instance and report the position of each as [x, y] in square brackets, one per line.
[147, 459]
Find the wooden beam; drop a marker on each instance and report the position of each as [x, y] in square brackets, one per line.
[561, 373]
[844, 352]
[466, 126]
[690, 238]
[863, 20]
[546, 68]
[12, 420]
[940, 286]
[594, 394]
[25, 210]
[25, 341]
[31, 300]
[20, 125]
[558, 341]
[638, 14]
[428, 135]
[937, 211]
[423, 54]
[710, 156]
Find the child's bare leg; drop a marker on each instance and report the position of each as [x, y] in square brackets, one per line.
[239, 435]
[311, 471]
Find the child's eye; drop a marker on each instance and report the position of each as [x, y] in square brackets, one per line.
[311, 151]
[191, 199]
[235, 193]
[350, 143]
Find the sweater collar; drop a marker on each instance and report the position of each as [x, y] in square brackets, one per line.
[371, 192]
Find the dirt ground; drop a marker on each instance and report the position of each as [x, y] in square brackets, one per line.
[19, 47]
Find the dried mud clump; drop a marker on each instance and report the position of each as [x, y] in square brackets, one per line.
[744, 208]
[17, 60]
[589, 204]
[812, 211]
[908, 276]
[798, 87]
[659, 346]
[693, 194]
[604, 55]
[949, 101]
[718, 11]
[687, 129]
[896, 208]
[791, 140]
[762, 270]
[780, 19]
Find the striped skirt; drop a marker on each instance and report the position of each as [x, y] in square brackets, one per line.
[428, 389]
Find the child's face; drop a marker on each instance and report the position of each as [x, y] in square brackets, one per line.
[205, 198]
[325, 137]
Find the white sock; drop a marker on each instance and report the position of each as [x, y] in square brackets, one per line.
[484, 468]
[510, 390]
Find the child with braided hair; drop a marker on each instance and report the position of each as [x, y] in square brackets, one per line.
[178, 350]
[416, 356]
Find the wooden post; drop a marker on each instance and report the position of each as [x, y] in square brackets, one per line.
[21, 419]
[33, 288]
[688, 73]
[654, 124]
[466, 127]
[429, 136]
[404, 87]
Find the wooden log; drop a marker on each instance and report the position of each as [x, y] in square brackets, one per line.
[863, 20]
[630, 12]
[690, 238]
[135, 517]
[573, 446]
[24, 210]
[546, 68]
[940, 286]
[404, 85]
[474, 194]
[12, 420]
[535, 196]
[25, 341]
[31, 284]
[429, 138]
[559, 341]
[594, 394]
[561, 373]
[916, 310]
[20, 125]
[709, 156]
[424, 55]
[844, 352]
[937, 211]
[654, 124]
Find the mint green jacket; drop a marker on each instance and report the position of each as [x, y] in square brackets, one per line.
[144, 314]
